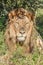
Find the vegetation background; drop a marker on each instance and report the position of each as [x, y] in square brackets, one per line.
[36, 6]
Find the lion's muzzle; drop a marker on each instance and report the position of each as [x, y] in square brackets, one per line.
[21, 37]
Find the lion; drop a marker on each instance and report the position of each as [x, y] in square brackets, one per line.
[21, 30]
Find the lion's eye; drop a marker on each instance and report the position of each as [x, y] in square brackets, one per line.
[27, 26]
[16, 25]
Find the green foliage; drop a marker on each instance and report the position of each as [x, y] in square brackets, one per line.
[40, 24]
[2, 23]
[6, 5]
[39, 21]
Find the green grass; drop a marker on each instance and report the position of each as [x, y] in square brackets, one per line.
[2, 44]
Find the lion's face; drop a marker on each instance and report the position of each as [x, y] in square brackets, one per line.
[22, 27]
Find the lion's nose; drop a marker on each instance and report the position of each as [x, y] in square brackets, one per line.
[22, 31]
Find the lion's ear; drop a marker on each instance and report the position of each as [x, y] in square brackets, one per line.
[31, 16]
[11, 14]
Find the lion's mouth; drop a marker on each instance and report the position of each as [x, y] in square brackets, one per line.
[21, 38]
